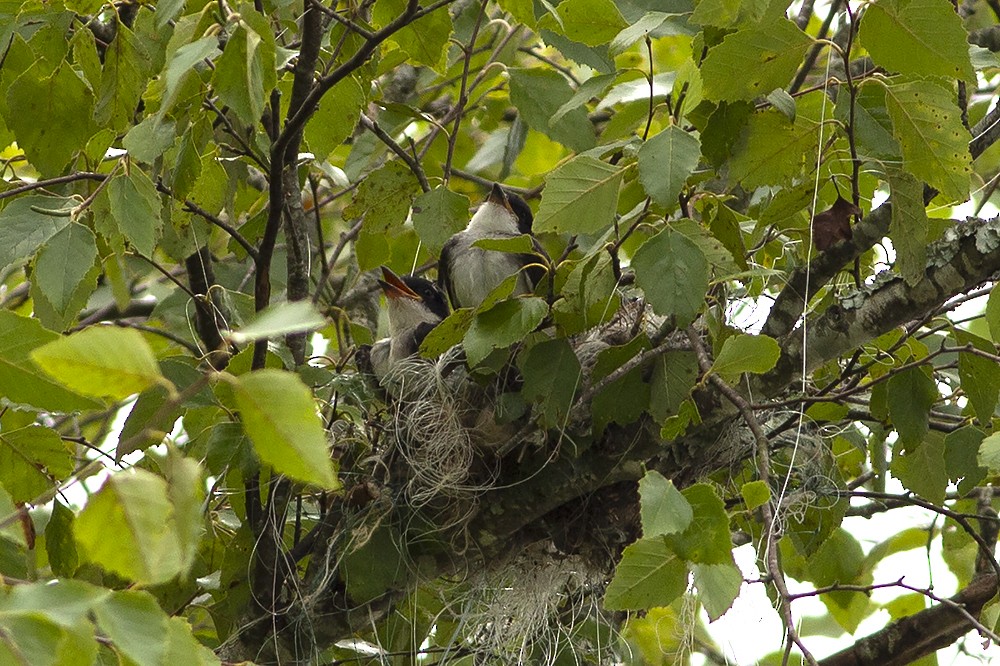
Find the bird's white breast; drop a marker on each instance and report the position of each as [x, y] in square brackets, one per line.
[476, 272]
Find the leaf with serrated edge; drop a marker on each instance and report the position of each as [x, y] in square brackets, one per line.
[920, 37]
[649, 575]
[935, 145]
[673, 272]
[665, 162]
[663, 509]
[754, 61]
[134, 507]
[102, 362]
[581, 196]
[280, 418]
[718, 585]
[909, 225]
[746, 353]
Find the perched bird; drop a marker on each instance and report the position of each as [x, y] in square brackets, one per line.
[415, 306]
[467, 273]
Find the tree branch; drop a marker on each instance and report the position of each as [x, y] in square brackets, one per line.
[965, 258]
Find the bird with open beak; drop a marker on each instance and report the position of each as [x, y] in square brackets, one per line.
[414, 307]
[468, 273]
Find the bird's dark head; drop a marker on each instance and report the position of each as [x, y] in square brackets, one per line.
[412, 300]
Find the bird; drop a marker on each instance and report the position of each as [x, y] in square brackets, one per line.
[414, 307]
[468, 274]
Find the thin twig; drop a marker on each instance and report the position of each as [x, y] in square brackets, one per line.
[764, 474]
[410, 161]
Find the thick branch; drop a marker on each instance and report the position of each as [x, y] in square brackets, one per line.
[919, 635]
[968, 256]
[805, 282]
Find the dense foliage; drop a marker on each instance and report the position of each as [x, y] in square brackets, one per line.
[760, 322]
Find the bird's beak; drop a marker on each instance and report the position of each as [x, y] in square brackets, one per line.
[394, 287]
[498, 197]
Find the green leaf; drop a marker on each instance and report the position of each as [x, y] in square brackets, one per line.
[184, 648]
[648, 575]
[384, 197]
[773, 150]
[135, 624]
[135, 208]
[674, 375]
[993, 314]
[425, 40]
[783, 102]
[32, 461]
[718, 585]
[589, 295]
[752, 62]
[59, 542]
[438, 215]
[980, 376]
[673, 273]
[24, 227]
[921, 37]
[186, 489]
[910, 396]
[908, 539]
[244, 73]
[622, 401]
[755, 354]
[589, 89]
[60, 318]
[840, 560]
[989, 453]
[590, 22]
[336, 117]
[280, 319]
[596, 57]
[921, 468]
[65, 602]
[872, 126]
[522, 244]
[63, 263]
[663, 509]
[935, 145]
[961, 451]
[909, 226]
[581, 196]
[447, 334]
[538, 94]
[551, 373]
[707, 539]
[101, 362]
[521, 10]
[721, 13]
[184, 62]
[123, 81]
[24, 385]
[280, 418]
[649, 24]
[665, 162]
[502, 325]
[134, 507]
[149, 139]
[374, 567]
[755, 494]
[50, 114]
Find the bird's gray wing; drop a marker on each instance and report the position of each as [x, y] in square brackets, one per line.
[444, 271]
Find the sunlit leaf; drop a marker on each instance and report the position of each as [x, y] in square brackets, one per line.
[101, 362]
[280, 417]
[581, 196]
